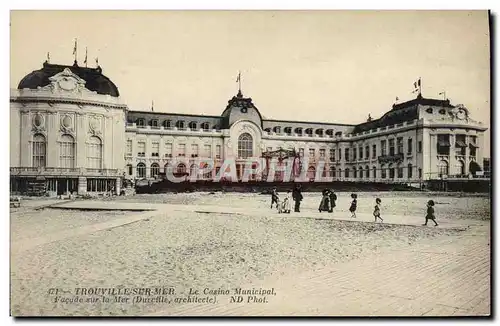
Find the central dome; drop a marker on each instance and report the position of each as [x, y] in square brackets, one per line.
[94, 79]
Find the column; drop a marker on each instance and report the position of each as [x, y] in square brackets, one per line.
[82, 185]
[118, 186]
[453, 162]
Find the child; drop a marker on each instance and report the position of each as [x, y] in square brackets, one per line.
[286, 203]
[354, 204]
[274, 198]
[376, 212]
[430, 213]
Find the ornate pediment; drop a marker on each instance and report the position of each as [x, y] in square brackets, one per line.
[66, 81]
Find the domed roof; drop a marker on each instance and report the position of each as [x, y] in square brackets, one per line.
[240, 107]
[94, 79]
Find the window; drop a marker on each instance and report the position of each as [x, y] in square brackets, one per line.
[129, 169]
[419, 146]
[333, 172]
[383, 172]
[67, 152]
[141, 149]
[410, 146]
[155, 149]
[154, 123]
[429, 110]
[39, 151]
[383, 147]
[94, 153]
[374, 151]
[361, 172]
[205, 126]
[155, 170]
[218, 151]
[168, 150]
[473, 139]
[129, 147]
[193, 125]
[400, 171]
[367, 152]
[340, 154]
[207, 149]
[347, 155]
[360, 152]
[354, 172]
[391, 147]
[194, 150]
[410, 171]
[167, 124]
[443, 145]
[460, 145]
[180, 125]
[322, 153]
[245, 146]
[442, 168]
[392, 173]
[312, 153]
[311, 173]
[354, 154]
[346, 173]
[420, 173]
[141, 170]
[181, 150]
[301, 152]
[374, 172]
[367, 171]
[288, 130]
[140, 123]
[181, 168]
[277, 129]
[400, 145]
[332, 155]
[472, 150]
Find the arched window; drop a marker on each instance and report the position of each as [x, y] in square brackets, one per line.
[360, 172]
[155, 170]
[193, 125]
[205, 126]
[309, 131]
[329, 132]
[129, 169]
[461, 167]
[333, 172]
[319, 132]
[443, 168]
[346, 173]
[94, 153]
[354, 172]
[325, 172]
[374, 175]
[141, 170]
[67, 152]
[392, 174]
[410, 171]
[311, 173]
[288, 130]
[167, 124]
[298, 131]
[181, 168]
[180, 125]
[245, 146]
[367, 171]
[277, 129]
[193, 170]
[39, 151]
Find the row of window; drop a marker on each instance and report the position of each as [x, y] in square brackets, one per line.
[168, 150]
[67, 155]
[307, 131]
[461, 145]
[385, 172]
[180, 124]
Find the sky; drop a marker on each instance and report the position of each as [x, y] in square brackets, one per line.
[332, 66]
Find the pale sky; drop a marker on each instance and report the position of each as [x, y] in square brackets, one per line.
[332, 66]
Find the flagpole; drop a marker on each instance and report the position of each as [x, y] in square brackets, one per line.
[85, 57]
[239, 81]
[420, 86]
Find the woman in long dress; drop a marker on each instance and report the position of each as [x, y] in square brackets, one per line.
[324, 205]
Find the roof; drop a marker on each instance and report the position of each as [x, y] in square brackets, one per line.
[94, 79]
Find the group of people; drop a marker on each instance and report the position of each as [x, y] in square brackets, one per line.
[328, 200]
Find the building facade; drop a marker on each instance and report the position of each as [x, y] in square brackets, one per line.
[71, 132]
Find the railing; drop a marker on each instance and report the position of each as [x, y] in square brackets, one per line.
[396, 158]
[67, 171]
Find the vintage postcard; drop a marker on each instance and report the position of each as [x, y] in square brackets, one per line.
[250, 163]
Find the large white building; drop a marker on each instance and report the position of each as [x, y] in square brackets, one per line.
[71, 132]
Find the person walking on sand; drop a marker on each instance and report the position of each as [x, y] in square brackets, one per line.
[354, 205]
[333, 198]
[376, 212]
[297, 197]
[324, 205]
[286, 203]
[430, 213]
[274, 197]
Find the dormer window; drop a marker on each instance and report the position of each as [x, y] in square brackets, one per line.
[140, 123]
[205, 126]
[298, 131]
[288, 130]
[319, 132]
[429, 110]
[329, 132]
[180, 125]
[442, 111]
[167, 124]
[192, 125]
[267, 130]
[309, 132]
[277, 129]
[154, 123]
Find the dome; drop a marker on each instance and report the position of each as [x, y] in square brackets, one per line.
[94, 79]
[240, 107]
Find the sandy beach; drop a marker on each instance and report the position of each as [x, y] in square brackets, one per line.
[196, 250]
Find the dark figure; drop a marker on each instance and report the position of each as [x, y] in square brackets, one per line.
[324, 205]
[333, 198]
[297, 197]
[376, 211]
[274, 197]
[354, 205]
[430, 213]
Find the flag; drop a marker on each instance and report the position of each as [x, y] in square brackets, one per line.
[152, 106]
[97, 61]
[417, 83]
[239, 77]
[74, 48]
[397, 98]
[48, 56]
[85, 62]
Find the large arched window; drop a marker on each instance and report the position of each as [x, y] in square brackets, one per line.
[374, 172]
[155, 170]
[443, 168]
[141, 170]
[94, 153]
[245, 146]
[67, 152]
[39, 151]
[181, 168]
[333, 172]
[311, 173]
[367, 171]
[129, 169]
[346, 174]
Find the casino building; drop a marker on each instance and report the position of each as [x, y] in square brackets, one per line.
[70, 132]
